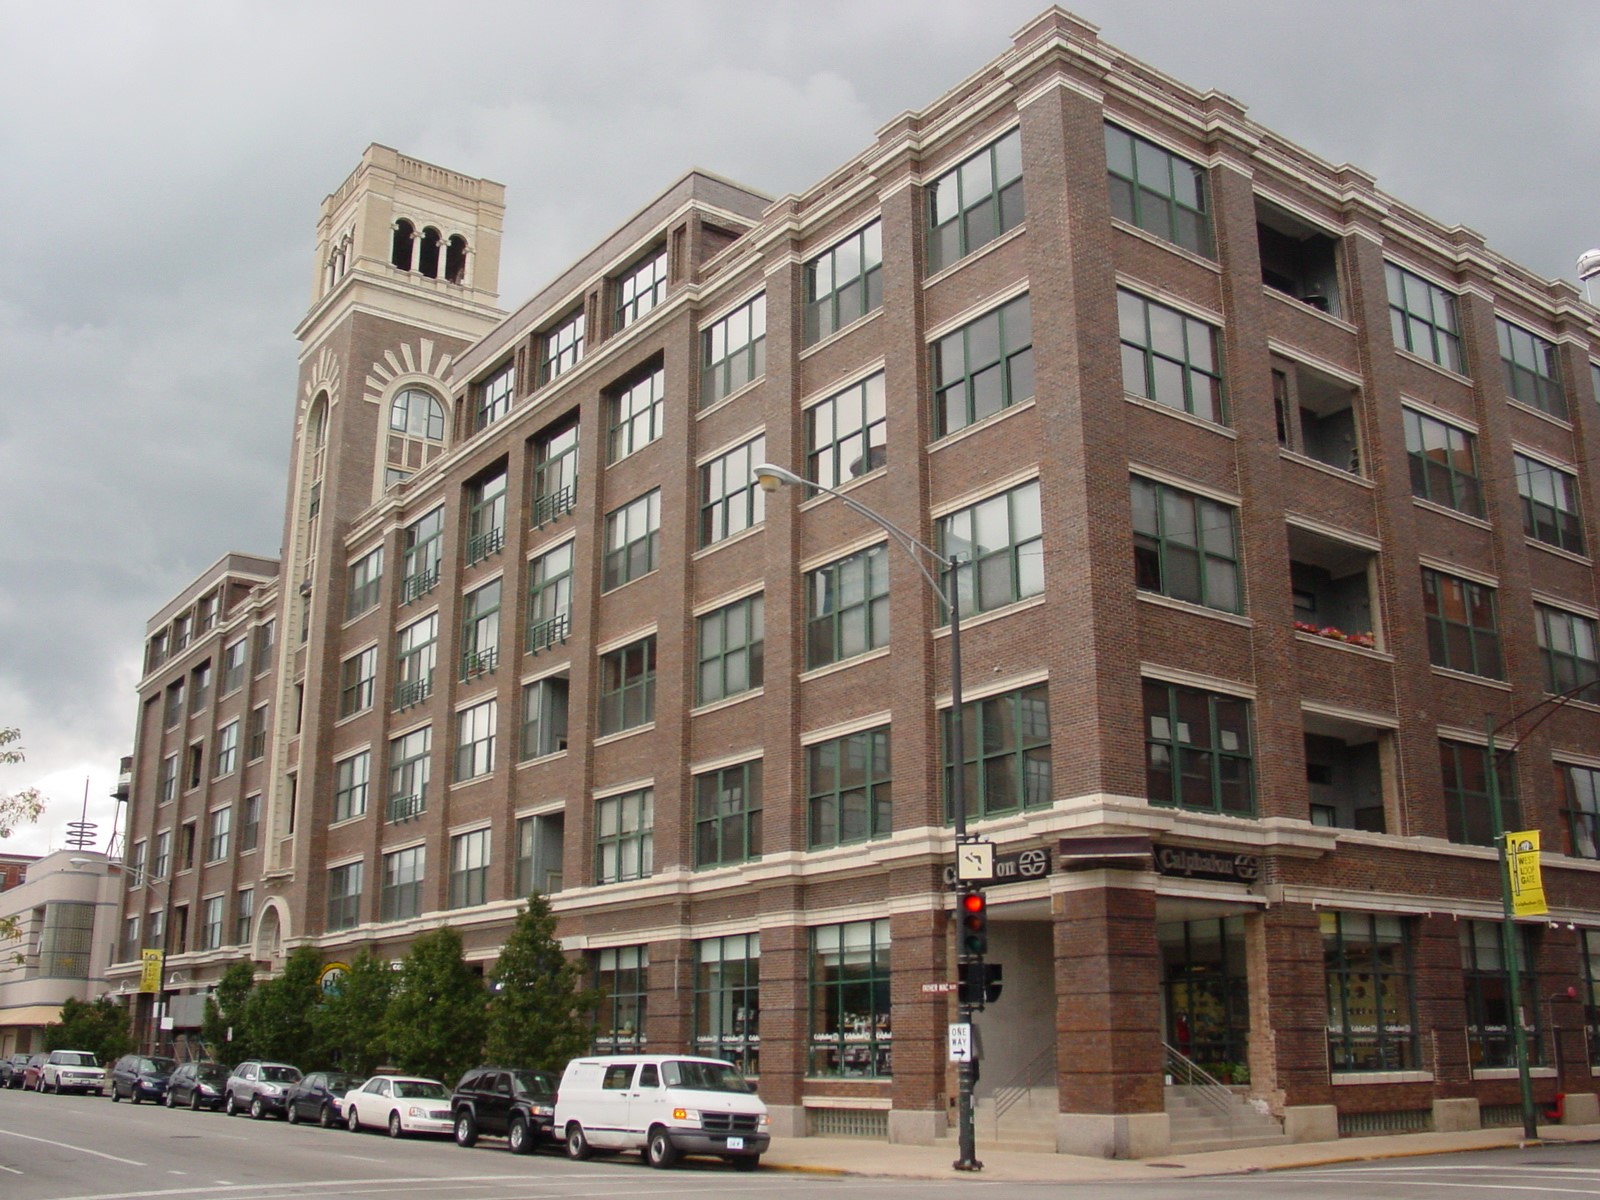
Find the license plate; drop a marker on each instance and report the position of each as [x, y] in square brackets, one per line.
[736, 1143]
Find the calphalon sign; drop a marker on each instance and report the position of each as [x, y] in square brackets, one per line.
[1208, 864]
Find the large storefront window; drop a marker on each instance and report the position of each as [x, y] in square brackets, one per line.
[621, 974]
[727, 1000]
[1591, 997]
[850, 1030]
[1491, 1042]
[1372, 1023]
[1206, 994]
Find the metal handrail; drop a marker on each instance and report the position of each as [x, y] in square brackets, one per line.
[1207, 1088]
[1016, 1089]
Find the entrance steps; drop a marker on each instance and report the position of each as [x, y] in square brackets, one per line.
[1217, 1118]
[1024, 1119]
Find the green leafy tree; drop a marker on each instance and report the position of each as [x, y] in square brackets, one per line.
[435, 1020]
[15, 808]
[225, 1014]
[101, 1027]
[277, 1013]
[349, 1023]
[540, 1013]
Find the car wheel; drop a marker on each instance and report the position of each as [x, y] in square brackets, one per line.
[194, 1100]
[518, 1139]
[577, 1145]
[291, 1113]
[747, 1162]
[230, 1106]
[115, 1095]
[351, 1121]
[466, 1129]
[167, 1099]
[659, 1150]
[133, 1094]
[325, 1116]
[257, 1109]
[395, 1128]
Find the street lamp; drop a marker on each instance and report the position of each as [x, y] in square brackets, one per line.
[137, 878]
[770, 476]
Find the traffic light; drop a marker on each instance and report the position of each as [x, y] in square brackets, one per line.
[992, 984]
[979, 983]
[974, 924]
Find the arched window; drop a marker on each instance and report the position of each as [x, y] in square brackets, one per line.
[428, 259]
[404, 232]
[416, 434]
[455, 259]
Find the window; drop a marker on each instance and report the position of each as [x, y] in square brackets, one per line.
[1579, 789]
[156, 930]
[475, 740]
[983, 367]
[256, 734]
[727, 815]
[850, 1014]
[555, 473]
[182, 632]
[731, 500]
[227, 749]
[1197, 747]
[727, 1000]
[624, 836]
[550, 598]
[1567, 644]
[637, 410]
[199, 687]
[409, 768]
[1462, 630]
[1006, 753]
[219, 834]
[847, 607]
[486, 516]
[622, 976]
[1444, 463]
[416, 434]
[401, 896]
[1316, 415]
[156, 655]
[733, 351]
[628, 686]
[65, 941]
[344, 897]
[135, 864]
[1372, 1007]
[366, 575]
[415, 653]
[172, 712]
[544, 717]
[469, 868]
[846, 434]
[1170, 358]
[480, 630]
[211, 918]
[844, 283]
[250, 823]
[633, 539]
[1528, 365]
[980, 199]
[1589, 948]
[494, 397]
[999, 542]
[1423, 318]
[1185, 546]
[423, 544]
[233, 664]
[563, 347]
[1157, 191]
[350, 779]
[848, 793]
[263, 640]
[357, 676]
[640, 290]
[730, 656]
[167, 779]
[1549, 504]
[1468, 817]
[1491, 1009]
[197, 755]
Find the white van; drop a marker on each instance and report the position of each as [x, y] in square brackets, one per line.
[666, 1105]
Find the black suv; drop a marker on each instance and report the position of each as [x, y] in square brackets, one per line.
[198, 1085]
[141, 1077]
[507, 1102]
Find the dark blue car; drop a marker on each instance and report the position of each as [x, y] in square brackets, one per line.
[317, 1096]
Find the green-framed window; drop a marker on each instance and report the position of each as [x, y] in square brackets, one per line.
[351, 780]
[1198, 751]
[1005, 755]
[633, 540]
[544, 716]
[1170, 357]
[401, 894]
[469, 868]
[550, 598]
[416, 651]
[844, 282]
[622, 977]
[1491, 1008]
[628, 686]
[975, 202]
[475, 729]
[1468, 816]
[1550, 510]
[486, 516]
[423, 547]
[1444, 463]
[731, 500]
[847, 434]
[847, 607]
[555, 473]
[1000, 543]
[730, 657]
[1579, 789]
[848, 789]
[983, 367]
[1463, 631]
[492, 398]
[624, 836]
[1567, 647]
[640, 290]
[1185, 546]
[357, 675]
[1367, 959]
[1528, 366]
[636, 409]
[480, 630]
[1424, 319]
[562, 347]
[733, 351]
[410, 766]
[727, 815]
[851, 1034]
[366, 577]
[727, 1000]
[1157, 190]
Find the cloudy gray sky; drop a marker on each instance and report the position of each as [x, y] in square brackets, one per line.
[161, 164]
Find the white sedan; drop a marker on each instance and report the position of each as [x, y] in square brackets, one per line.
[401, 1104]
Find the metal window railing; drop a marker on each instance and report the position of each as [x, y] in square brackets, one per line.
[544, 634]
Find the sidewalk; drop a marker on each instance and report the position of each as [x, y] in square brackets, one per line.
[861, 1156]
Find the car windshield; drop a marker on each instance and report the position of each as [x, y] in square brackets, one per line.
[420, 1089]
[158, 1066]
[535, 1083]
[704, 1076]
[280, 1074]
[75, 1058]
[212, 1073]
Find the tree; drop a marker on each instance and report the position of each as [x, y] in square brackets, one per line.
[101, 1027]
[225, 1009]
[15, 809]
[277, 1013]
[349, 1023]
[540, 1014]
[434, 1024]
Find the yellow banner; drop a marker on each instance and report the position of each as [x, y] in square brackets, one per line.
[150, 976]
[1522, 864]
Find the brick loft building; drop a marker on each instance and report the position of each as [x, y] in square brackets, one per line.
[1274, 496]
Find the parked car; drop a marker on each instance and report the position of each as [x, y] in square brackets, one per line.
[665, 1105]
[505, 1102]
[258, 1088]
[33, 1073]
[198, 1085]
[316, 1098]
[11, 1070]
[72, 1071]
[140, 1077]
[401, 1104]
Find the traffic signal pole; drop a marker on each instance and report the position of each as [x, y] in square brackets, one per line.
[967, 1071]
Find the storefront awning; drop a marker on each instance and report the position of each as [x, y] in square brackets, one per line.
[35, 1014]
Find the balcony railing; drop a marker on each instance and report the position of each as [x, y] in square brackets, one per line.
[544, 634]
[548, 507]
[412, 691]
[419, 584]
[406, 808]
[484, 544]
[479, 662]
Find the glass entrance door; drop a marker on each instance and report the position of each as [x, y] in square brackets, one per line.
[1206, 994]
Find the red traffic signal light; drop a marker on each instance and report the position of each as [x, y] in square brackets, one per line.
[974, 924]
[974, 902]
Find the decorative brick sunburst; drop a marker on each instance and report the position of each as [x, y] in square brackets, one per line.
[419, 358]
[324, 377]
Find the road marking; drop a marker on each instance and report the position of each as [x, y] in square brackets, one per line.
[177, 1172]
[13, 1170]
[75, 1149]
